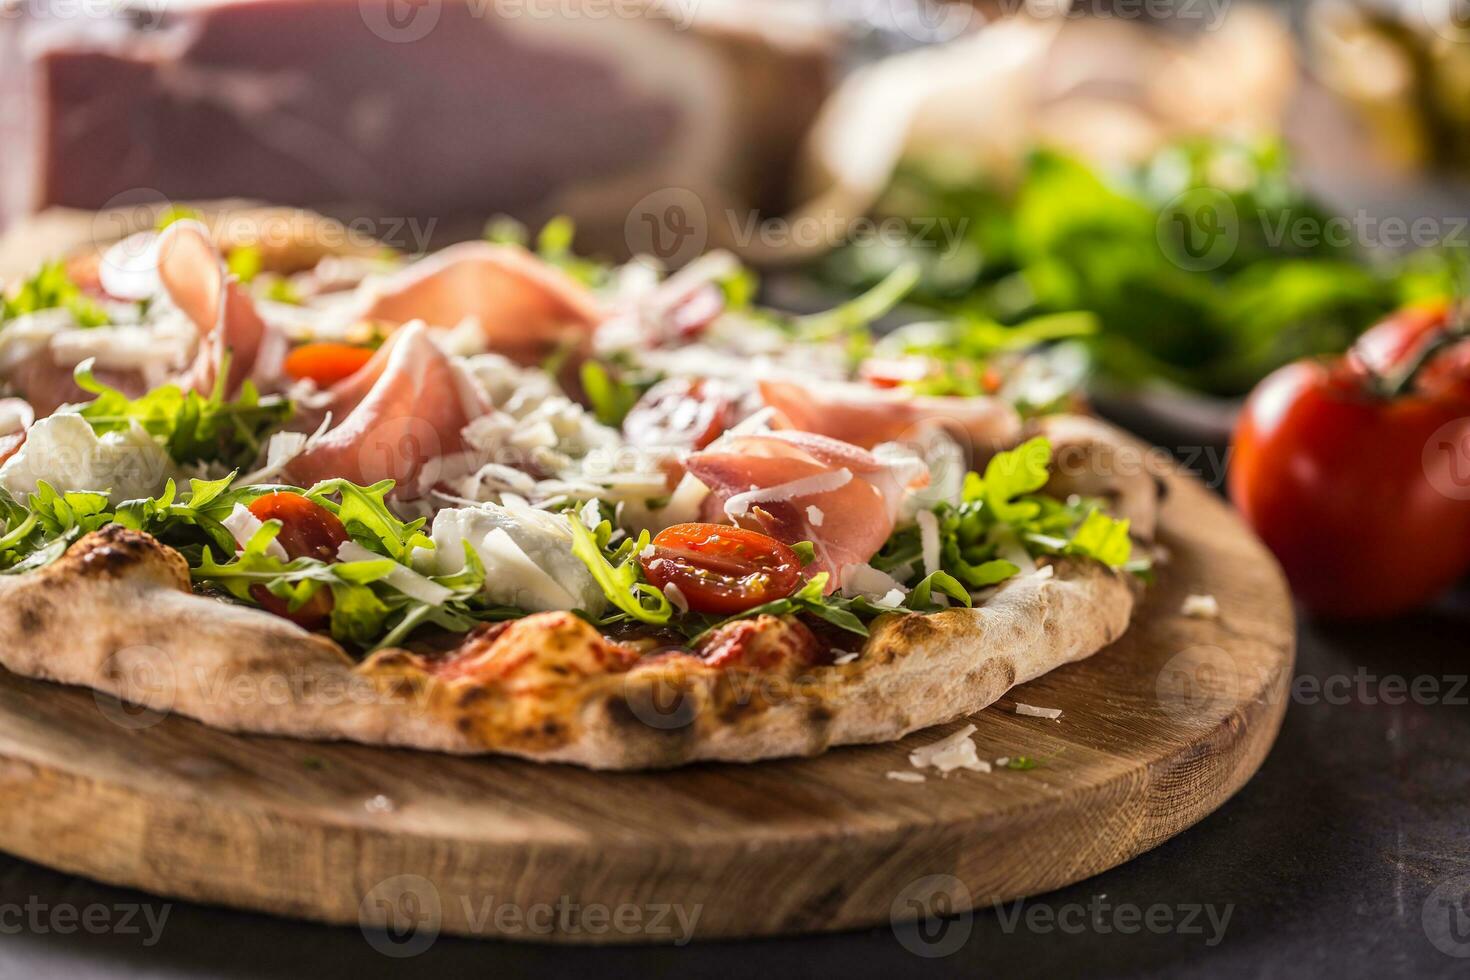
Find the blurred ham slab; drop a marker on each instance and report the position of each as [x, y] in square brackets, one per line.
[433, 109]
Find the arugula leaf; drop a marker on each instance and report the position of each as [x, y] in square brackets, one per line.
[921, 598]
[173, 213]
[611, 397]
[52, 288]
[620, 576]
[194, 429]
[365, 513]
[245, 262]
[1009, 476]
[808, 599]
[1102, 537]
[1001, 523]
[859, 312]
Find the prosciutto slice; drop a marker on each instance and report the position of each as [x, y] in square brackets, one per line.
[401, 417]
[526, 308]
[866, 416]
[801, 487]
[193, 274]
[16, 418]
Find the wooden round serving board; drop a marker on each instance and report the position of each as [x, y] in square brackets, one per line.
[1156, 732]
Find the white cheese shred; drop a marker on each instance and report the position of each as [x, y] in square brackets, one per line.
[243, 525]
[740, 504]
[402, 578]
[954, 751]
[1031, 711]
[928, 540]
[899, 776]
[1200, 607]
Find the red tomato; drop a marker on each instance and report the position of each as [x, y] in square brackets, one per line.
[326, 364]
[1363, 494]
[722, 569]
[308, 530]
[687, 413]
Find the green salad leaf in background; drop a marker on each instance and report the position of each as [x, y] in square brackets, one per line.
[1205, 267]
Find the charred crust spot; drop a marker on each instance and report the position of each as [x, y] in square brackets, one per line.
[465, 724]
[650, 717]
[551, 728]
[736, 708]
[113, 549]
[471, 696]
[819, 714]
[914, 629]
[31, 620]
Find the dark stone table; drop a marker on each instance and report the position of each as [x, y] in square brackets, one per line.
[1347, 856]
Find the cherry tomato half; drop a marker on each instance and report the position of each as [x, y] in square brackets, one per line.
[308, 530]
[326, 363]
[722, 569]
[685, 413]
[1363, 495]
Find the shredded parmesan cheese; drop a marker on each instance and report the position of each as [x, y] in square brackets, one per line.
[928, 540]
[1200, 607]
[402, 578]
[905, 777]
[815, 516]
[740, 504]
[955, 751]
[243, 525]
[1031, 711]
[845, 658]
[676, 597]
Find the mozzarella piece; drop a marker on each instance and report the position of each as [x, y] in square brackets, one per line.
[62, 450]
[527, 555]
[243, 525]
[405, 580]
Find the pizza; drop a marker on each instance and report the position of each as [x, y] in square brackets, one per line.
[504, 499]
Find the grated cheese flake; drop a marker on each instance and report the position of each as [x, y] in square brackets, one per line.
[1031, 711]
[955, 751]
[1200, 607]
[905, 777]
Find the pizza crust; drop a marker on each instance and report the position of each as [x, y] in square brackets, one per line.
[116, 614]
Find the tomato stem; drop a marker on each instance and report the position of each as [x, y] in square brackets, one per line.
[1457, 328]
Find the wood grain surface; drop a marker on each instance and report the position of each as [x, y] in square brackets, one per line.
[1156, 732]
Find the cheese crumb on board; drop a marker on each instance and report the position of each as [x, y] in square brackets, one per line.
[952, 752]
[1200, 607]
[1031, 711]
[905, 777]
